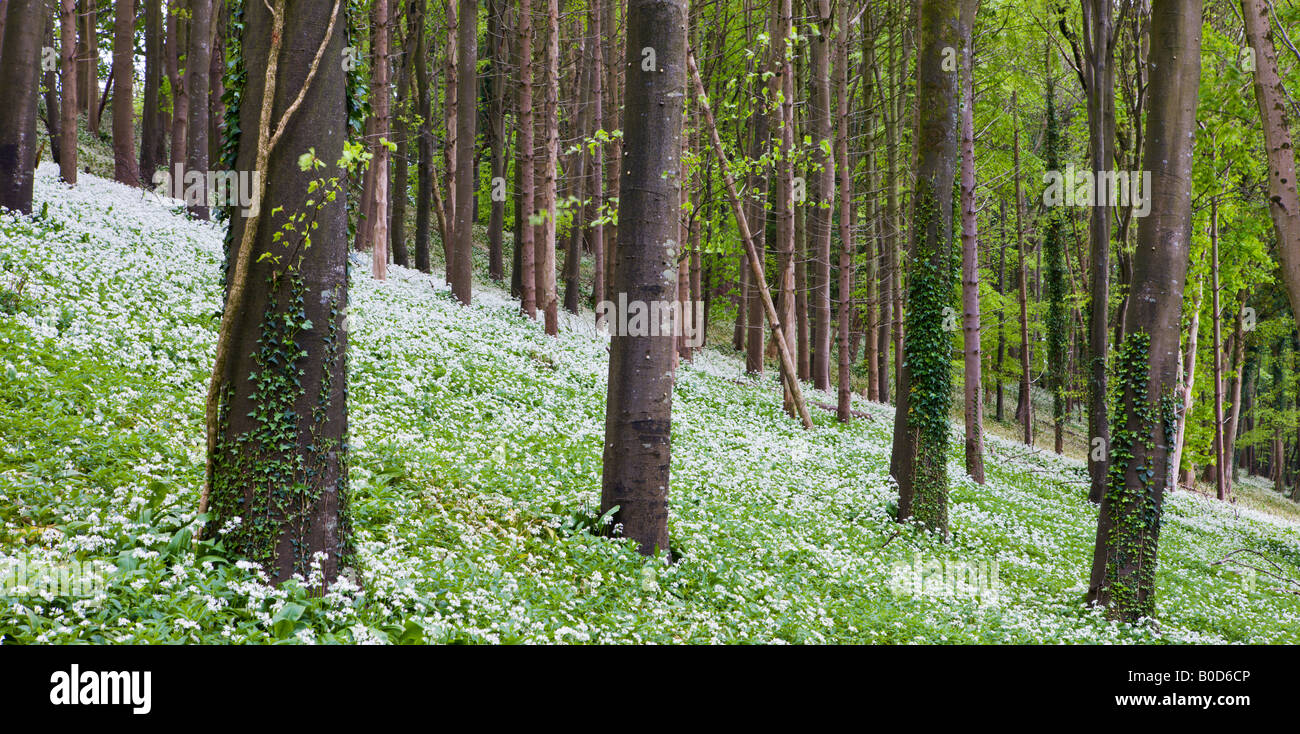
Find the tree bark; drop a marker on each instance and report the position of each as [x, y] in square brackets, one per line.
[68, 103]
[972, 382]
[921, 425]
[125, 167]
[1128, 527]
[196, 85]
[524, 164]
[462, 266]
[819, 218]
[547, 301]
[153, 149]
[282, 346]
[638, 419]
[1271, 96]
[20, 71]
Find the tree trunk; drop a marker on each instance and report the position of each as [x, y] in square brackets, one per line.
[524, 164]
[196, 85]
[638, 418]
[288, 346]
[1188, 380]
[89, 73]
[68, 104]
[921, 424]
[1025, 408]
[462, 267]
[972, 383]
[177, 41]
[498, 46]
[1128, 528]
[1099, 44]
[845, 316]
[819, 219]
[20, 71]
[1271, 95]
[424, 176]
[125, 167]
[152, 143]
[545, 255]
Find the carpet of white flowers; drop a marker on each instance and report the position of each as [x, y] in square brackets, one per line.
[476, 449]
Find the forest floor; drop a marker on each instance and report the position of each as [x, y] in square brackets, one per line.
[476, 457]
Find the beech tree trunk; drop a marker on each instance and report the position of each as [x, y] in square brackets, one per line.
[921, 426]
[153, 149]
[638, 418]
[20, 70]
[125, 167]
[197, 60]
[819, 217]
[68, 117]
[425, 151]
[547, 299]
[972, 382]
[1128, 528]
[462, 265]
[525, 166]
[287, 477]
[1272, 98]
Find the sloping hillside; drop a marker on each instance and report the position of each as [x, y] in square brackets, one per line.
[476, 453]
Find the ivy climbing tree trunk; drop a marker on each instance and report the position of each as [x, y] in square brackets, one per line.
[1054, 251]
[921, 424]
[20, 70]
[277, 402]
[1099, 76]
[1146, 369]
[638, 417]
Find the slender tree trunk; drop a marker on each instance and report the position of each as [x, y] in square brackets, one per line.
[125, 168]
[177, 43]
[524, 163]
[1188, 380]
[68, 103]
[377, 224]
[1025, 409]
[196, 84]
[498, 45]
[462, 266]
[596, 23]
[845, 315]
[152, 143]
[402, 130]
[1099, 42]
[756, 213]
[1128, 528]
[1220, 467]
[545, 255]
[970, 266]
[820, 219]
[1238, 340]
[19, 88]
[424, 174]
[89, 76]
[638, 422]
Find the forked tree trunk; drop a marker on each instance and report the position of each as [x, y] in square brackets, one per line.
[638, 418]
